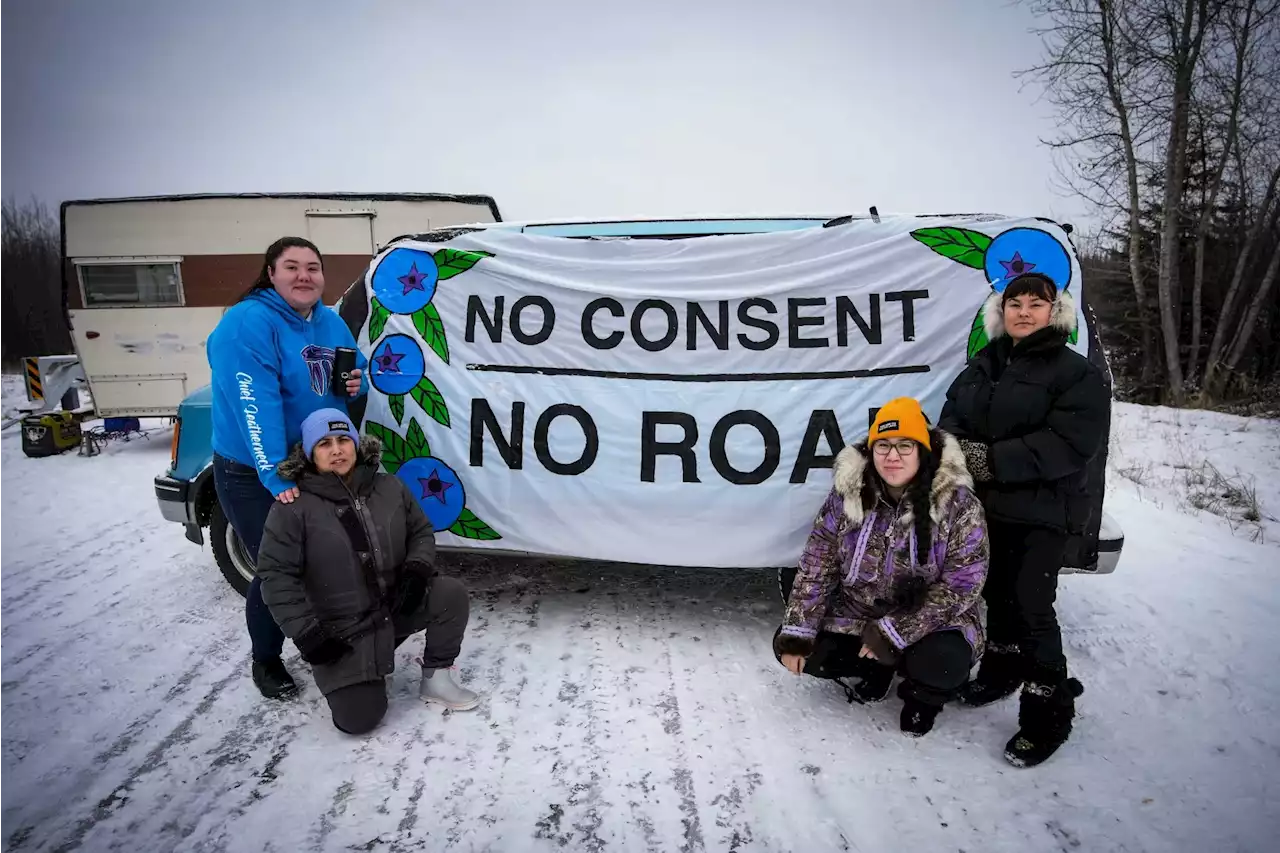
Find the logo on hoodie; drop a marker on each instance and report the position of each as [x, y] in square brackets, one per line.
[320, 364]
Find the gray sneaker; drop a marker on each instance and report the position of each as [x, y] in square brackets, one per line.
[439, 687]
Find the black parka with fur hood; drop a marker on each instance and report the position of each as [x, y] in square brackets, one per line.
[1042, 409]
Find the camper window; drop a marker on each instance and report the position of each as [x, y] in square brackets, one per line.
[115, 284]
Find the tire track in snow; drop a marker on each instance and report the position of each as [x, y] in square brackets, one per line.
[730, 774]
[337, 808]
[673, 725]
[54, 575]
[652, 770]
[585, 797]
[538, 769]
[218, 652]
[107, 807]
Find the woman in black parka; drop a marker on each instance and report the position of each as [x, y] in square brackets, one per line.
[1030, 413]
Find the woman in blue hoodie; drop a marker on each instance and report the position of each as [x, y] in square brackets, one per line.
[272, 361]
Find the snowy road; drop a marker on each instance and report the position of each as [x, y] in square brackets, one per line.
[629, 708]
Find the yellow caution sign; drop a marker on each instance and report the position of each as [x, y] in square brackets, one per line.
[35, 391]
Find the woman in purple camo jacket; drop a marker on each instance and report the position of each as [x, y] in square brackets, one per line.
[891, 578]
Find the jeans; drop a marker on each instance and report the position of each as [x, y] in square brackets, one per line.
[246, 502]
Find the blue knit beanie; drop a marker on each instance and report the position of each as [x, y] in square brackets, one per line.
[323, 423]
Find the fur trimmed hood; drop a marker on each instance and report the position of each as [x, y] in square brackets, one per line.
[1063, 316]
[850, 473]
[295, 464]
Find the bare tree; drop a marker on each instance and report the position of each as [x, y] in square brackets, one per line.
[1167, 107]
[1258, 174]
[1215, 374]
[31, 287]
[1095, 77]
[1244, 333]
[1186, 23]
[1241, 24]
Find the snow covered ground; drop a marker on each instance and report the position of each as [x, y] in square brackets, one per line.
[629, 708]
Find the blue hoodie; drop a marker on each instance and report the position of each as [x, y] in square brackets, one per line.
[271, 368]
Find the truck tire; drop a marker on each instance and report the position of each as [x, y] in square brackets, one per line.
[228, 550]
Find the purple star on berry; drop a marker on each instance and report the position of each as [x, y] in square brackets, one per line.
[1017, 266]
[412, 280]
[433, 486]
[388, 361]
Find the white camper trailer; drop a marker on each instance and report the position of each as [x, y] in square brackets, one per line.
[145, 280]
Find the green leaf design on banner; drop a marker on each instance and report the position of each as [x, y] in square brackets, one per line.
[469, 527]
[428, 396]
[431, 327]
[397, 406]
[978, 333]
[451, 262]
[1074, 337]
[959, 244]
[394, 449]
[417, 439]
[378, 315]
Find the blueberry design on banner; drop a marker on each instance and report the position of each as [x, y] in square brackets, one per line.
[1002, 258]
[404, 282]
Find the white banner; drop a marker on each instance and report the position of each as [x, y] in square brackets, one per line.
[677, 402]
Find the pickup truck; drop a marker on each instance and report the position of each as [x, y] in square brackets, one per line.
[186, 494]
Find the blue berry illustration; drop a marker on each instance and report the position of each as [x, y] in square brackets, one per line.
[397, 364]
[437, 488]
[1023, 250]
[405, 280]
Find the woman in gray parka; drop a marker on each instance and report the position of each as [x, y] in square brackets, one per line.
[348, 571]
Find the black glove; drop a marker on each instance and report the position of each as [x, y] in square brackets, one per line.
[977, 458]
[318, 647]
[911, 594]
[880, 646]
[411, 590]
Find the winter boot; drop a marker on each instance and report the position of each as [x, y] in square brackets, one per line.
[273, 680]
[917, 717]
[999, 676]
[439, 687]
[1044, 716]
[874, 686]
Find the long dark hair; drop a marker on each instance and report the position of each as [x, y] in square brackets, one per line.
[919, 491]
[273, 253]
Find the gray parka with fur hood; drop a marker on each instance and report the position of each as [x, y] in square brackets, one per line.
[334, 555]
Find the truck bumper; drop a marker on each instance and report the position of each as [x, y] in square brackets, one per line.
[172, 496]
[1109, 554]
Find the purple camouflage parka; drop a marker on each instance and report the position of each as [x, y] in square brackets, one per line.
[859, 564]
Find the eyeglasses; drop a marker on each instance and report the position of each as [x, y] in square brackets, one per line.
[904, 448]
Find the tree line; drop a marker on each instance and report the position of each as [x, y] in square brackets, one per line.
[31, 318]
[1170, 117]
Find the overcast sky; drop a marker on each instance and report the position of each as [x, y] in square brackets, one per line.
[559, 108]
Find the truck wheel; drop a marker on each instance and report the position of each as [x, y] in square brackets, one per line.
[229, 551]
[786, 580]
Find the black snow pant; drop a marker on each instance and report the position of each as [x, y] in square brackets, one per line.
[358, 708]
[933, 669]
[1021, 588]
